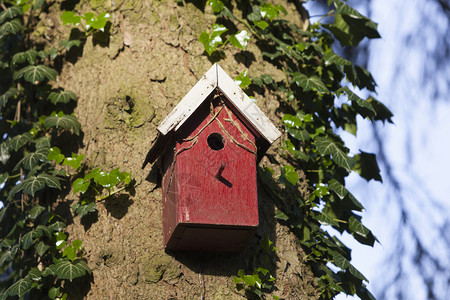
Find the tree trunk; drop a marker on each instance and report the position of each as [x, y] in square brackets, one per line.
[126, 84]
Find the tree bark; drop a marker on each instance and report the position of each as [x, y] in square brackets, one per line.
[126, 85]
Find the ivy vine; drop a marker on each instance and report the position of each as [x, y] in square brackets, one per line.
[315, 78]
[37, 257]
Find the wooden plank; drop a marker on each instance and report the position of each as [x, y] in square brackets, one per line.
[201, 90]
[246, 106]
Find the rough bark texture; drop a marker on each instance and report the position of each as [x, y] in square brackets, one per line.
[125, 86]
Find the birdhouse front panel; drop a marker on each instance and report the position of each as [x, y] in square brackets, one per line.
[211, 180]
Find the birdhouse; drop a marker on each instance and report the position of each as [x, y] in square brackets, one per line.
[209, 147]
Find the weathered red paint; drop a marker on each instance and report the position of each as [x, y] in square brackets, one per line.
[210, 196]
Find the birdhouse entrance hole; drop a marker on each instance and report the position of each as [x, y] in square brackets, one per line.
[215, 141]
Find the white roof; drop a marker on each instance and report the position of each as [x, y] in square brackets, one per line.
[217, 78]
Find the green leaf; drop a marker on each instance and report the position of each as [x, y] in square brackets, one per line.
[3, 178]
[36, 74]
[270, 11]
[65, 269]
[74, 161]
[36, 211]
[57, 226]
[367, 166]
[281, 216]
[291, 121]
[22, 57]
[321, 190]
[32, 184]
[10, 13]
[70, 252]
[32, 159]
[107, 180]
[323, 218]
[100, 21]
[363, 107]
[41, 248]
[19, 140]
[83, 209]
[80, 185]
[210, 42]
[261, 24]
[288, 173]
[69, 17]
[216, 5]
[240, 39]
[60, 240]
[42, 143]
[68, 122]
[357, 226]
[12, 27]
[55, 154]
[12, 92]
[68, 44]
[332, 58]
[20, 288]
[61, 97]
[243, 80]
[382, 112]
[77, 244]
[7, 256]
[327, 146]
[312, 83]
[54, 292]
[299, 134]
[34, 274]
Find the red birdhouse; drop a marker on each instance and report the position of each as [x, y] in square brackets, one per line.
[209, 146]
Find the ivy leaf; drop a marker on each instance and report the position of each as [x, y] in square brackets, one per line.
[261, 24]
[35, 74]
[3, 178]
[323, 218]
[54, 292]
[55, 154]
[20, 288]
[10, 13]
[291, 121]
[271, 11]
[32, 159]
[299, 134]
[332, 58]
[243, 80]
[83, 209]
[19, 140]
[210, 42]
[12, 27]
[68, 44]
[288, 173]
[61, 97]
[41, 248]
[343, 194]
[68, 122]
[363, 107]
[74, 161]
[327, 146]
[216, 5]
[43, 143]
[8, 255]
[382, 112]
[356, 226]
[312, 83]
[69, 17]
[80, 185]
[367, 167]
[107, 180]
[12, 92]
[65, 269]
[240, 39]
[32, 184]
[70, 252]
[100, 21]
[36, 211]
[22, 57]
[4, 153]
[57, 226]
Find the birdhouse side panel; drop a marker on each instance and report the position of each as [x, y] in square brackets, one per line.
[216, 171]
[169, 195]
